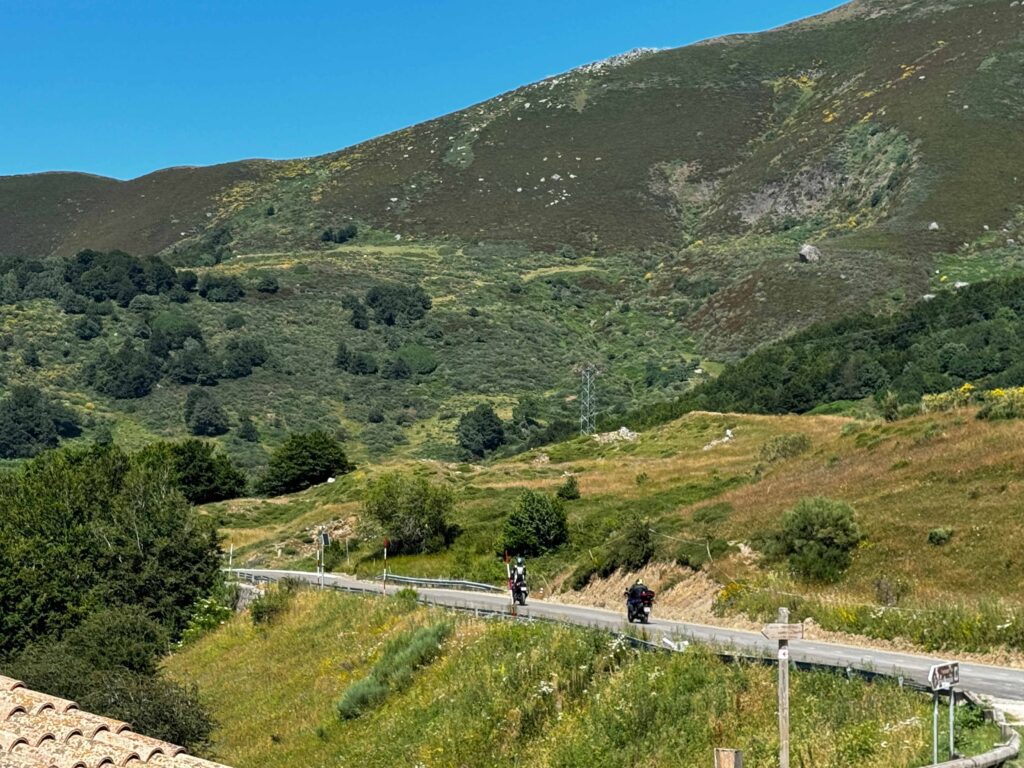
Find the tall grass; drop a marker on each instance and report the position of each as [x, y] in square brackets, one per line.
[513, 694]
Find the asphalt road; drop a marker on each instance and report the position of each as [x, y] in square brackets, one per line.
[1001, 682]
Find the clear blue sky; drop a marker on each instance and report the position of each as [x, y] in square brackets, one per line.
[124, 88]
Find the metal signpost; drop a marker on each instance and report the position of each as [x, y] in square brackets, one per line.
[942, 677]
[783, 632]
[386, 542]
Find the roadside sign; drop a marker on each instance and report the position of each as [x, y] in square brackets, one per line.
[942, 677]
[783, 631]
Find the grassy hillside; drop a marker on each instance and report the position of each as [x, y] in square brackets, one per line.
[643, 213]
[855, 130]
[506, 694]
[707, 508]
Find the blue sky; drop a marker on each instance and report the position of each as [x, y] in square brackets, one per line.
[124, 88]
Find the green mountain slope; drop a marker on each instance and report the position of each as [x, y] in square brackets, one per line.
[638, 212]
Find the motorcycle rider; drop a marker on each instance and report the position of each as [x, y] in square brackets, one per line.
[634, 597]
[519, 573]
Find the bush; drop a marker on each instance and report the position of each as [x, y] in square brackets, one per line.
[221, 288]
[818, 537]
[411, 512]
[340, 234]
[87, 328]
[480, 430]
[784, 447]
[570, 489]
[241, 356]
[940, 536]
[266, 608]
[268, 284]
[397, 303]
[536, 524]
[304, 459]
[362, 364]
[234, 321]
[247, 430]
[203, 414]
[632, 548]
[342, 356]
[394, 670]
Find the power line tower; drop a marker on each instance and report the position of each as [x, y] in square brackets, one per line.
[588, 398]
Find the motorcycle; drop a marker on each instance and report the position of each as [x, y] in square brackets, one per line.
[638, 608]
[519, 592]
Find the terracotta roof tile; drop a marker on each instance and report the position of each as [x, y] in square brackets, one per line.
[40, 731]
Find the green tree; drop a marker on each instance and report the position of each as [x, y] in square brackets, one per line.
[537, 524]
[202, 473]
[241, 355]
[30, 356]
[360, 318]
[362, 364]
[203, 414]
[82, 529]
[170, 330]
[304, 459]
[125, 373]
[818, 537]
[30, 422]
[192, 364]
[342, 357]
[480, 430]
[413, 513]
[247, 430]
[221, 288]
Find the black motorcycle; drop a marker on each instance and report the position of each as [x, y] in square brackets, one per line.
[638, 605]
[519, 592]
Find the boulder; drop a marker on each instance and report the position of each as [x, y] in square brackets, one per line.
[933, 227]
[809, 254]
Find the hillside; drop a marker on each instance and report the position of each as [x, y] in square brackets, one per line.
[503, 694]
[856, 130]
[709, 512]
[643, 214]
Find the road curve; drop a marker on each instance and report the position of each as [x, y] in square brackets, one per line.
[1000, 682]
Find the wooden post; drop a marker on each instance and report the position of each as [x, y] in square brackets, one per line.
[783, 693]
[728, 758]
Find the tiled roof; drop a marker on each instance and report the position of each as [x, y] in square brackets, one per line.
[40, 731]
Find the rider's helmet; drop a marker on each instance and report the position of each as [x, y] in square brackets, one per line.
[639, 583]
[519, 561]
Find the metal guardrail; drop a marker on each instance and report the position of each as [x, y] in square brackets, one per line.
[997, 756]
[474, 586]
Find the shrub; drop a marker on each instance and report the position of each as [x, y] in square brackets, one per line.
[221, 288]
[419, 358]
[123, 374]
[362, 364]
[304, 459]
[234, 321]
[192, 364]
[267, 607]
[342, 356]
[86, 328]
[394, 670]
[397, 303]
[340, 234]
[818, 537]
[411, 512]
[171, 330]
[940, 536]
[570, 489]
[203, 414]
[247, 430]
[480, 430]
[536, 524]
[268, 284]
[784, 447]
[632, 548]
[240, 356]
